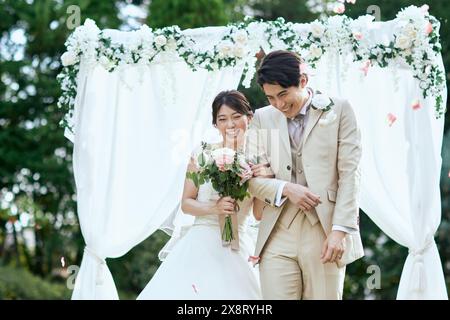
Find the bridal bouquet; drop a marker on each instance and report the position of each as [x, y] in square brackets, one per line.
[228, 172]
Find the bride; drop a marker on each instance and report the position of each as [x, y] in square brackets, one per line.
[199, 266]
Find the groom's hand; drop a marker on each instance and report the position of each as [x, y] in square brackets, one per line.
[301, 196]
[333, 247]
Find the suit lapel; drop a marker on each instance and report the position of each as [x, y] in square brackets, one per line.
[314, 116]
[282, 123]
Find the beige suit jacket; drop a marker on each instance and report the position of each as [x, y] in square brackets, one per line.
[331, 155]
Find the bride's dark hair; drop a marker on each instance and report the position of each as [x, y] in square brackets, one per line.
[233, 99]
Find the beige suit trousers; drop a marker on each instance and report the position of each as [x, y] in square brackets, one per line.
[290, 266]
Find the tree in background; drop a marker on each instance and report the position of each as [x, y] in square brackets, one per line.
[187, 14]
[38, 224]
[37, 194]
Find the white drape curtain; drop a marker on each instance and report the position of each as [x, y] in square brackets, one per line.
[135, 129]
[400, 166]
[134, 132]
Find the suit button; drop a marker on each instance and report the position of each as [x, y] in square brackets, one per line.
[299, 154]
[288, 167]
[300, 171]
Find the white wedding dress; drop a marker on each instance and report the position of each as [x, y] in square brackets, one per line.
[200, 267]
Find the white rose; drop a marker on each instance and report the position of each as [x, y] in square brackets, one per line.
[215, 66]
[171, 44]
[239, 51]
[148, 53]
[225, 48]
[105, 62]
[317, 29]
[68, 58]
[410, 31]
[191, 59]
[160, 40]
[315, 51]
[89, 23]
[403, 42]
[145, 31]
[320, 101]
[240, 37]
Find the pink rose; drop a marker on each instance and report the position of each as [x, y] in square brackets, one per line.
[223, 157]
[222, 161]
[358, 35]
[429, 28]
[339, 8]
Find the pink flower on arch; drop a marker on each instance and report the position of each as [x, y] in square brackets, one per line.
[429, 28]
[358, 35]
[339, 8]
[303, 67]
[365, 67]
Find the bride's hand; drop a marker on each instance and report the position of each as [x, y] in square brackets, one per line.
[225, 205]
[262, 170]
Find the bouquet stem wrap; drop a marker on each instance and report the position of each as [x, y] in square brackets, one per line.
[229, 230]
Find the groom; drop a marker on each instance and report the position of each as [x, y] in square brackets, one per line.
[309, 229]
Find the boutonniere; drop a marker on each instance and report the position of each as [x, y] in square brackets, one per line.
[321, 102]
[324, 103]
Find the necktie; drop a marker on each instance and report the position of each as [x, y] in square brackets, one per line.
[298, 124]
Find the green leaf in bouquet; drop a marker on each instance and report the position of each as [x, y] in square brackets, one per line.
[201, 159]
[195, 179]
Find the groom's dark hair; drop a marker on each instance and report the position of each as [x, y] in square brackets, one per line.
[280, 67]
